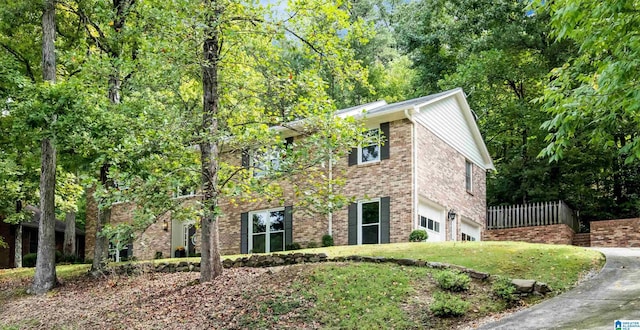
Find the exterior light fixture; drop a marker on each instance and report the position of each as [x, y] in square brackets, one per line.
[165, 225]
[451, 215]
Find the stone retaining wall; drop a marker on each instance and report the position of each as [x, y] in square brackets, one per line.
[616, 233]
[529, 286]
[551, 234]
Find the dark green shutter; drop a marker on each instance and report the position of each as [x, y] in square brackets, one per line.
[244, 233]
[353, 157]
[385, 217]
[288, 225]
[353, 224]
[384, 149]
[245, 158]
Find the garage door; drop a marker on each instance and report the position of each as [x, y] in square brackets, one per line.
[431, 218]
[470, 230]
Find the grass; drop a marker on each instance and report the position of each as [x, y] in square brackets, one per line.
[560, 266]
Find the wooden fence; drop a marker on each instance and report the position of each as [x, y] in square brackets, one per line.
[532, 214]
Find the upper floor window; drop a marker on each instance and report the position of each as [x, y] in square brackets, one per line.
[375, 150]
[371, 152]
[267, 161]
[468, 177]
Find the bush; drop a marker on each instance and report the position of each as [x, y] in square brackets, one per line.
[327, 240]
[158, 255]
[448, 305]
[70, 259]
[29, 260]
[195, 255]
[505, 290]
[292, 246]
[312, 245]
[453, 280]
[418, 235]
[59, 256]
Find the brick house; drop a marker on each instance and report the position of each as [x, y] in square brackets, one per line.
[429, 174]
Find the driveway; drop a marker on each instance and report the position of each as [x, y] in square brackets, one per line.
[613, 294]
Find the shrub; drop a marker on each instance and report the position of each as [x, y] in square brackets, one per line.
[195, 255]
[453, 280]
[158, 255]
[29, 260]
[312, 245]
[59, 256]
[292, 246]
[448, 305]
[327, 240]
[505, 290]
[418, 235]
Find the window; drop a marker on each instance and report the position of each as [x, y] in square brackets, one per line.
[264, 162]
[371, 152]
[266, 231]
[429, 224]
[467, 237]
[468, 178]
[369, 222]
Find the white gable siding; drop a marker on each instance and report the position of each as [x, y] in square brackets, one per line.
[446, 120]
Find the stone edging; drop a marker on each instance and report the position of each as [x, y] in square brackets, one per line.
[523, 287]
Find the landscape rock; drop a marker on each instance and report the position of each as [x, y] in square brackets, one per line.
[523, 286]
[542, 288]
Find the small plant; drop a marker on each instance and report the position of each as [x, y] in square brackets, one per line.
[505, 290]
[327, 240]
[312, 245]
[418, 235]
[453, 280]
[448, 305]
[29, 260]
[158, 255]
[292, 246]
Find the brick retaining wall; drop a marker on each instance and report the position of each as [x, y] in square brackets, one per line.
[551, 234]
[616, 233]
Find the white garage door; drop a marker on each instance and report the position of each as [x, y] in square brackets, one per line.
[431, 218]
[470, 230]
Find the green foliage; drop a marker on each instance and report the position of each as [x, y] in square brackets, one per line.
[448, 305]
[292, 246]
[452, 280]
[3, 244]
[29, 260]
[418, 235]
[327, 240]
[312, 245]
[504, 289]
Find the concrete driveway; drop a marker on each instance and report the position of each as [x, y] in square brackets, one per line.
[613, 294]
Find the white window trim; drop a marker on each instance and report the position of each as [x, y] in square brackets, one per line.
[360, 162]
[267, 233]
[468, 164]
[360, 218]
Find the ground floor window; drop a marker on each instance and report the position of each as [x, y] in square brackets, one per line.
[430, 224]
[369, 222]
[467, 237]
[266, 231]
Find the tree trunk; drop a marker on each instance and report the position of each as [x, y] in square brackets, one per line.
[211, 265]
[101, 247]
[18, 248]
[69, 247]
[45, 275]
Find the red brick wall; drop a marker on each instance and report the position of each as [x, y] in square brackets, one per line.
[552, 234]
[441, 179]
[616, 233]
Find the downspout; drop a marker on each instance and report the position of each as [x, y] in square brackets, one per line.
[409, 114]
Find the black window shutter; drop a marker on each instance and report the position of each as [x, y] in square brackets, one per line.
[384, 149]
[288, 225]
[244, 233]
[353, 224]
[385, 217]
[245, 158]
[353, 157]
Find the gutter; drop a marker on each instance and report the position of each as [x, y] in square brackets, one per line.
[409, 114]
